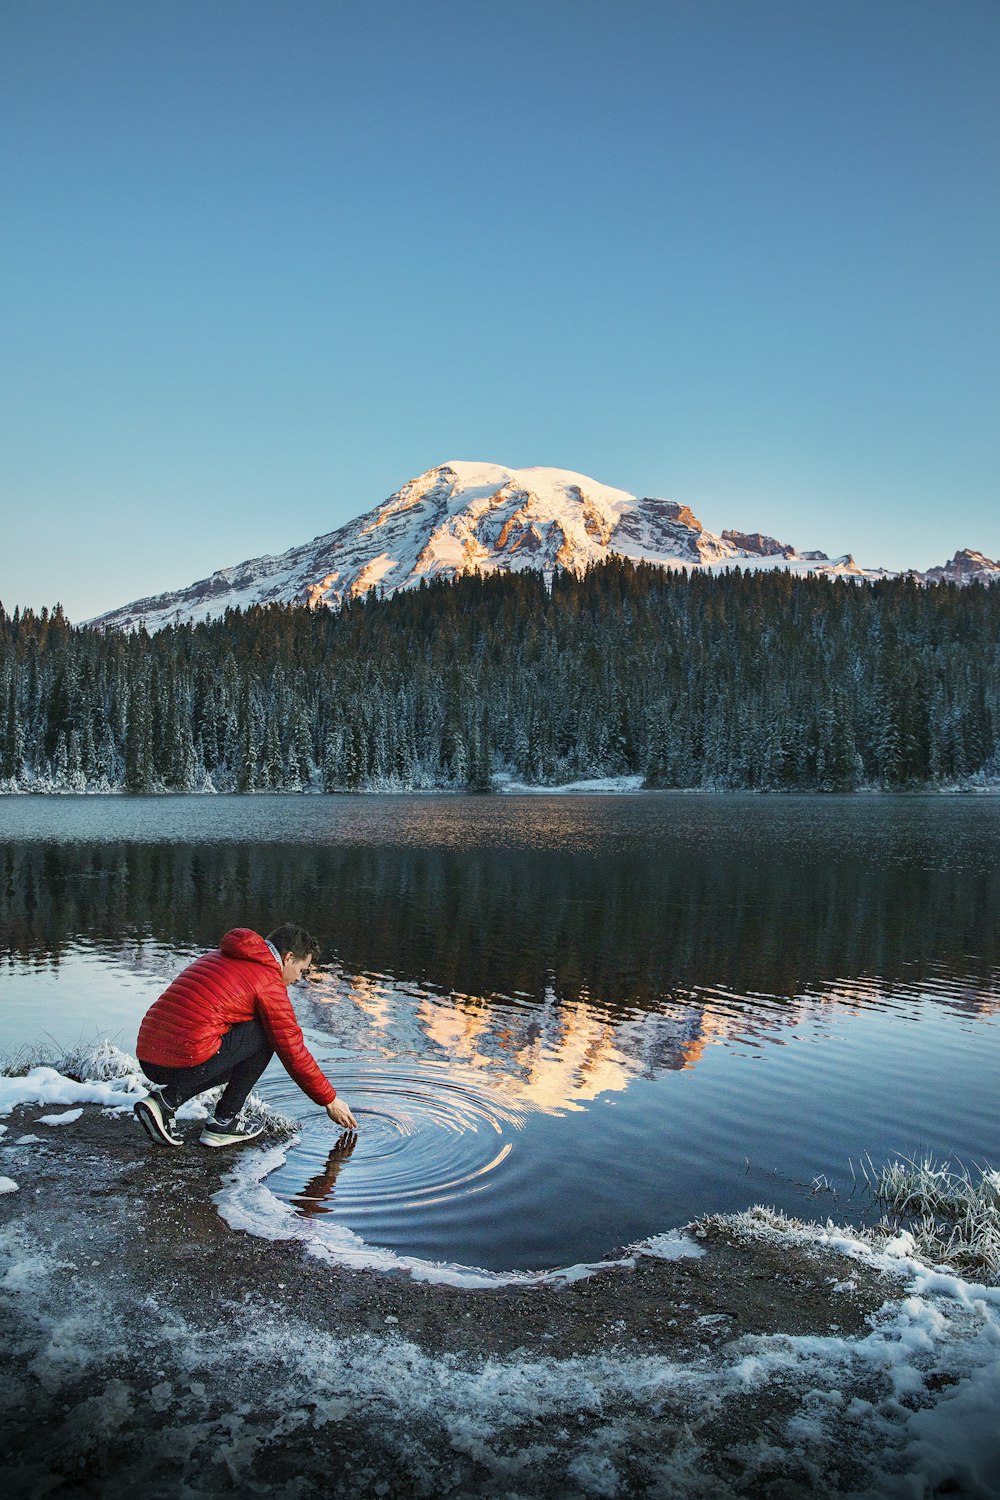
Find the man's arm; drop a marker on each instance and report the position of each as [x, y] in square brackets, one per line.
[278, 1019]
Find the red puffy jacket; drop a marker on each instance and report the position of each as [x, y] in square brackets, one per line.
[240, 981]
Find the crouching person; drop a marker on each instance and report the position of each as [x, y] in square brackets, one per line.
[220, 1022]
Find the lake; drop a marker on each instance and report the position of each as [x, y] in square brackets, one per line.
[565, 1022]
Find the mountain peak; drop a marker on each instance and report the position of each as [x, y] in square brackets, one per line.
[966, 566]
[467, 515]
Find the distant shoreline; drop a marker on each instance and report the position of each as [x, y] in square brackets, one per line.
[612, 787]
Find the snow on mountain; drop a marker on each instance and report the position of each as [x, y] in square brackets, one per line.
[464, 517]
[965, 567]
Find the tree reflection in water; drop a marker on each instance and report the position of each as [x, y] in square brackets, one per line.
[632, 927]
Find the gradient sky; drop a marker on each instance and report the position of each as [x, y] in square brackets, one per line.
[264, 260]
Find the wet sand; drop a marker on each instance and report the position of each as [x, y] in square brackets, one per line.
[151, 1349]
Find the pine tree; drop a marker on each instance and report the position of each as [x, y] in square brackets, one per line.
[139, 770]
[11, 760]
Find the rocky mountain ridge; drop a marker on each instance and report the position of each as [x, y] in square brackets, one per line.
[478, 517]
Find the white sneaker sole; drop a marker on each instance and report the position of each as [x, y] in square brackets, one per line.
[234, 1138]
[151, 1120]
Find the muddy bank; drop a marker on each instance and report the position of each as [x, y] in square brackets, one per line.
[149, 1346]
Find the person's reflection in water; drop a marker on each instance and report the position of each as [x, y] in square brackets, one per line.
[314, 1197]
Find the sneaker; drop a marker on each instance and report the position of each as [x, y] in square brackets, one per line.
[157, 1120]
[228, 1133]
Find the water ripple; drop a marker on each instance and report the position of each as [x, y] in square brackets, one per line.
[425, 1137]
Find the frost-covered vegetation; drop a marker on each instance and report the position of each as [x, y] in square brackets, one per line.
[951, 1211]
[99, 1061]
[48, 1069]
[943, 1212]
[748, 680]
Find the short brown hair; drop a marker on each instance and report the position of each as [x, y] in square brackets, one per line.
[293, 939]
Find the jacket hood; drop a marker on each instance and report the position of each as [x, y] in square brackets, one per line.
[241, 942]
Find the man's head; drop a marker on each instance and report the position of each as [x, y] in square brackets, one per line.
[297, 948]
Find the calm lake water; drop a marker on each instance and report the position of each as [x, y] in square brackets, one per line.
[565, 1023]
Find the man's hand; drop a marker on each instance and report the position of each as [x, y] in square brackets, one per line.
[341, 1115]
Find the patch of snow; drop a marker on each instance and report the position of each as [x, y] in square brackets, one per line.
[674, 1245]
[566, 1275]
[8, 1185]
[117, 1087]
[45, 1085]
[596, 784]
[373, 573]
[901, 1244]
[198, 1108]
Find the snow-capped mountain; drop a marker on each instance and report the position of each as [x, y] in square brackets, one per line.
[965, 567]
[463, 517]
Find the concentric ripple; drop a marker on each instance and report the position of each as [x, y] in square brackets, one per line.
[425, 1137]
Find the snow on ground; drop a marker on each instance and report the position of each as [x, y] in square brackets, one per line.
[118, 1085]
[45, 1085]
[915, 1399]
[595, 784]
[66, 1118]
[8, 1185]
[674, 1245]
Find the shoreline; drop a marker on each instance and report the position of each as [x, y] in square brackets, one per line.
[596, 787]
[151, 1345]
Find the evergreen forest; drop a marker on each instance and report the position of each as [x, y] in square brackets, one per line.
[745, 680]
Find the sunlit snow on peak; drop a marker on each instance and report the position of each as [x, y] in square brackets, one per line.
[467, 516]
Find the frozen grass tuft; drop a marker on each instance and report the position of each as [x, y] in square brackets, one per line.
[278, 1127]
[952, 1211]
[750, 1220]
[100, 1061]
[18, 1062]
[951, 1214]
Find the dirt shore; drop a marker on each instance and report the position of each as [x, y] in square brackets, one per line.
[151, 1349]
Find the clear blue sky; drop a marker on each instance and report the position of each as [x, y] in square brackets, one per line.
[264, 260]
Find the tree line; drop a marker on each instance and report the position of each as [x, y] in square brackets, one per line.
[635, 926]
[745, 680]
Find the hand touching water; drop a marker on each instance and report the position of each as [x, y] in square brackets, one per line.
[341, 1115]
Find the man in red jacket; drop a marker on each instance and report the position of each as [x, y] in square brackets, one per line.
[221, 1021]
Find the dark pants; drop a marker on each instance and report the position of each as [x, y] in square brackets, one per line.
[241, 1059]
